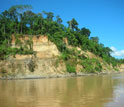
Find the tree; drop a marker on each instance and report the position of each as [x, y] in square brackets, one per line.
[107, 51]
[16, 14]
[38, 23]
[95, 39]
[49, 15]
[4, 24]
[86, 32]
[4, 20]
[71, 38]
[58, 19]
[73, 25]
[29, 18]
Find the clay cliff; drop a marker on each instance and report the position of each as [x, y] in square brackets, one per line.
[45, 62]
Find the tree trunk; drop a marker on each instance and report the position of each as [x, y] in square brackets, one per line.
[21, 28]
[15, 29]
[4, 29]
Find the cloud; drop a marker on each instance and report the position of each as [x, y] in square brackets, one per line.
[116, 52]
[113, 48]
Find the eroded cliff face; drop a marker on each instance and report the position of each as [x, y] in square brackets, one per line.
[31, 67]
[44, 63]
[41, 45]
[121, 68]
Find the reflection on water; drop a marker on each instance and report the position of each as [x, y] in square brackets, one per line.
[88, 91]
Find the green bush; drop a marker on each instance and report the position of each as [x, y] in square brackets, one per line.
[91, 65]
[64, 56]
[70, 68]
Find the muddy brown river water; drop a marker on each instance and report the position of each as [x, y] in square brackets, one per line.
[85, 91]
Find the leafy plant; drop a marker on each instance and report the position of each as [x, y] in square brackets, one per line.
[70, 68]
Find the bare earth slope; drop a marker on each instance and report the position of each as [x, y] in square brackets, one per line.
[44, 64]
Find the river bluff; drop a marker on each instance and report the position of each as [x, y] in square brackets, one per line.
[43, 64]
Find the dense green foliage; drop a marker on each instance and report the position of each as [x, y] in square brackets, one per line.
[70, 68]
[92, 65]
[20, 19]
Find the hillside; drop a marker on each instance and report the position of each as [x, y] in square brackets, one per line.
[37, 43]
[49, 62]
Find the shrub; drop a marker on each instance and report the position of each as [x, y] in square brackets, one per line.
[91, 65]
[70, 68]
[31, 65]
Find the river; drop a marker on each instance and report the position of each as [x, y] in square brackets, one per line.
[85, 91]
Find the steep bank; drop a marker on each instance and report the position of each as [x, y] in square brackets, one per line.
[31, 67]
[42, 64]
[48, 62]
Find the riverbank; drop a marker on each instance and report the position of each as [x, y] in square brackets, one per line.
[49, 62]
[57, 75]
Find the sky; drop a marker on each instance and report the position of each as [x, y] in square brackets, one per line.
[104, 18]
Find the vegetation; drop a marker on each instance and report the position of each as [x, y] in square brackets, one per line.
[20, 20]
[70, 69]
[32, 65]
[92, 65]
